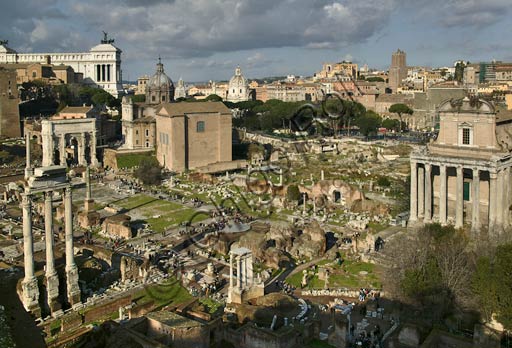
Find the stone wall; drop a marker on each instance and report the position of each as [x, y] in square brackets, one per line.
[104, 309]
[250, 336]
[9, 111]
[183, 337]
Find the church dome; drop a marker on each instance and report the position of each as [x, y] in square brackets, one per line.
[159, 79]
[238, 79]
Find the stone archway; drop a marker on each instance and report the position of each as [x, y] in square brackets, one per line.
[337, 196]
[73, 145]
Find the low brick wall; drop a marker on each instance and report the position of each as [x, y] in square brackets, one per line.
[103, 309]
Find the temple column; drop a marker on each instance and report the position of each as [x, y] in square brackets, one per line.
[475, 197]
[421, 192]
[28, 165]
[413, 215]
[239, 272]
[92, 148]
[428, 193]
[52, 279]
[442, 194]
[73, 290]
[29, 284]
[492, 200]
[250, 272]
[48, 150]
[81, 150]
[62, 150]
[499, 198]
[459, 200]
[231, 271]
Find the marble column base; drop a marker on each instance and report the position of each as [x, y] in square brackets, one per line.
[73, 290]
[30, 297]
[52, 290]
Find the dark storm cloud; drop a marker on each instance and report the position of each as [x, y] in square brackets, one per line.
[185, 28]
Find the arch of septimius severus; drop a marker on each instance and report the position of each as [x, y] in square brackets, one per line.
[47, 181]
[463, 177]
[65, 139]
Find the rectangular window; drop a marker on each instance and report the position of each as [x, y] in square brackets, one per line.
[466, 191]
[200, 126]
[466, 136]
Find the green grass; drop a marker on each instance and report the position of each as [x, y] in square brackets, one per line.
[169, 213]
[174, 218]
[135, 201]
[211, 305]
[163, 294]
[313, 283]
[349, 279]
[131, 160]
[376, 227]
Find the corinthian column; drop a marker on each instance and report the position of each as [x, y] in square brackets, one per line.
[492, 200]
[459, 201]
[475, 214]
[52, 279]
[442, 194]
[428, 193]
[73, 290]
[92, 148]
[81, 149]
[29, 285]
[62, 150]
[413, 215]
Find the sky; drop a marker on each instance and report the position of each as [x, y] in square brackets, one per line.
[201, 40]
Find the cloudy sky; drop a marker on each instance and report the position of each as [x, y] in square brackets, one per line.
[200, 40]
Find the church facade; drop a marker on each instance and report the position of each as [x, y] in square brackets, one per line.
[193, 135]
[101, 66]
[238, 88]
[138, 119]
[463, 177]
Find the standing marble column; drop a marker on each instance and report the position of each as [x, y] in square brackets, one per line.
[421, 192]
[73, 289]
[506, 197]
[413, 214]
[239, 272]
[428, 193]
[475, 197]
[29, 283]
[28, 166]
[92, 148]
[244, 263]
[231, 270]
[81, 150]
[492, 200]
[250, 272]
[442, 195]
[499, 199]
[52, 279]
[62, 150]
[459, 201]
[48, 151]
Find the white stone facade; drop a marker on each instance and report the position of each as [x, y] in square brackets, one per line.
[60, 137]
[238, 89]
[101, 66]
[463, 177]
